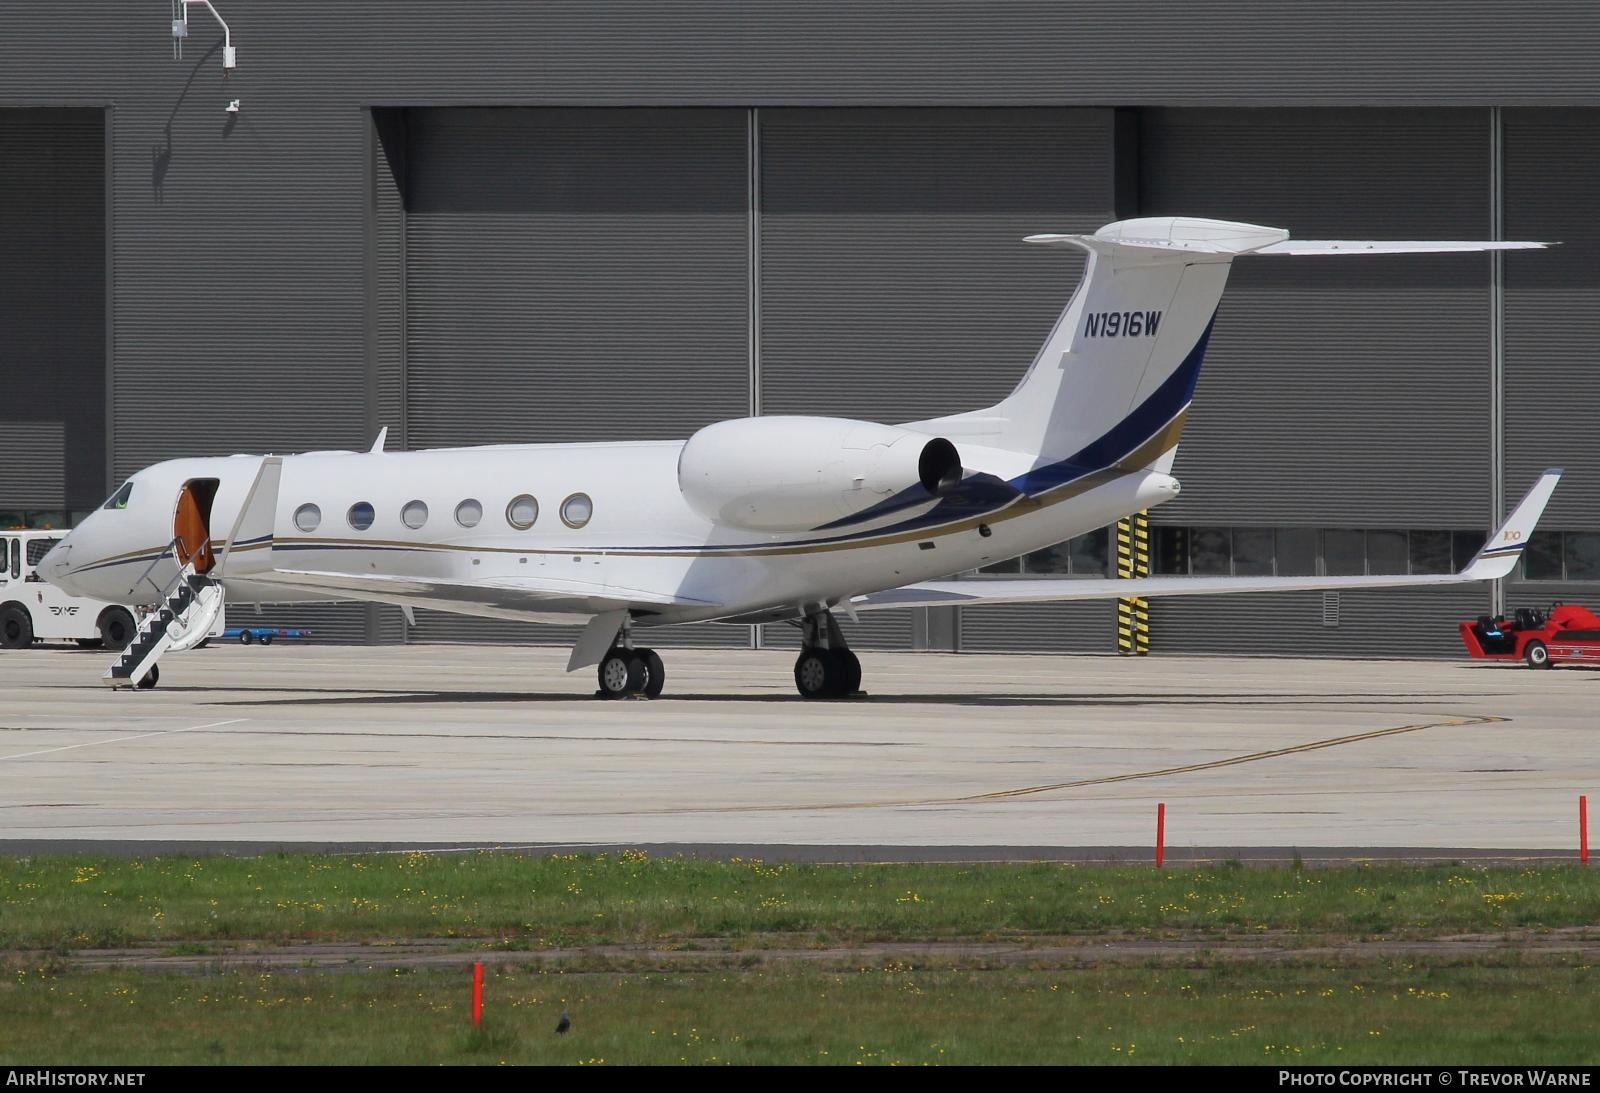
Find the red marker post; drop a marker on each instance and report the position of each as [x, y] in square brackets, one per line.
[1161, 833]
[1583, 829]
[477, 993]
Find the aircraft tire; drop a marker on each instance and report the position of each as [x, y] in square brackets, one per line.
[150, 680]
[16, 627]
[849, 666]
[1536, 655]
[816, 674]
[117, 627]
[655, 673]
[621, 674]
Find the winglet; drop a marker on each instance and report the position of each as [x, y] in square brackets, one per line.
[377, 445]
[1499, 555]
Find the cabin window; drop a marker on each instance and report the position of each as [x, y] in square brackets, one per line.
[522, 512]
[361, 515]
[119, 500]
[307, 517]
[469, 512]
[576, 510]
[415, 514]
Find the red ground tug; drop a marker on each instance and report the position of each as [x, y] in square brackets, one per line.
[1564, 634]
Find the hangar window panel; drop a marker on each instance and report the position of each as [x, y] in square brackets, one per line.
[1464, 546]
[1085, 555]
[1542, 560]
[1051, 561]
[1209, 552]
[1090, 553]
[1430, 552]
[1253, 551]
[1345, 552]
[1169, 551]
[1387, 553]
[1582, 553]
[1009, 567]
[1297, 552]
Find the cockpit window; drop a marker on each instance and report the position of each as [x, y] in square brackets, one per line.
[119, 500]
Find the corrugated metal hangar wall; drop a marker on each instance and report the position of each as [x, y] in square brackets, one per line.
[568, 221]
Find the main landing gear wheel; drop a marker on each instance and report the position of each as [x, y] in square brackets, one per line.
[117, 627]
[622, 673]
[150, 680]
[1536, 655]
[16, 627]
[655, 673]
[827, 673]
[626, 672]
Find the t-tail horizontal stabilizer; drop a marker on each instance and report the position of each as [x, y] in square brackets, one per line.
[1497, 558]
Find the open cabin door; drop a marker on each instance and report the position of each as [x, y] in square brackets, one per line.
[191, 524]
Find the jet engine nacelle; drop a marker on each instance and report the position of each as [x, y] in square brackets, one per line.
[797, 473]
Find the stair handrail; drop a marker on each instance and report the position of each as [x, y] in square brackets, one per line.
[145, 576]
[175, 541]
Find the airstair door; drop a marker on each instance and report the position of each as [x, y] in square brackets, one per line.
[191, 524]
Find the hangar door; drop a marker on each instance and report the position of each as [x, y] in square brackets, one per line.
[895, 284]
[1349, 394]
[52, 314]
[1552, 158]
[573, 275]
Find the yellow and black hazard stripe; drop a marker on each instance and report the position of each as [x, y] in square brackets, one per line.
[1133, 561]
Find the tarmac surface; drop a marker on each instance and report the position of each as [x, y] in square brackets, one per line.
[456, 747]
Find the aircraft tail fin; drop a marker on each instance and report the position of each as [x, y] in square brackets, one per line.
[1111, 386]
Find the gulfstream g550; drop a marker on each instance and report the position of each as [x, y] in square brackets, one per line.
[754, 520]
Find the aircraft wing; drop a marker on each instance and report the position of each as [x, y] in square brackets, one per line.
[498, 597]
[1497, 559]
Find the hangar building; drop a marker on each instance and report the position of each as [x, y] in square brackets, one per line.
[570, 220]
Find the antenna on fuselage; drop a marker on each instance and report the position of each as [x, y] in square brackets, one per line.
[377, 445]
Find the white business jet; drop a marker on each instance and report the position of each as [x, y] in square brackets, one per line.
[759, 519]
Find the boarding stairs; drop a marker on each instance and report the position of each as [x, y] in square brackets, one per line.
[188, 608]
